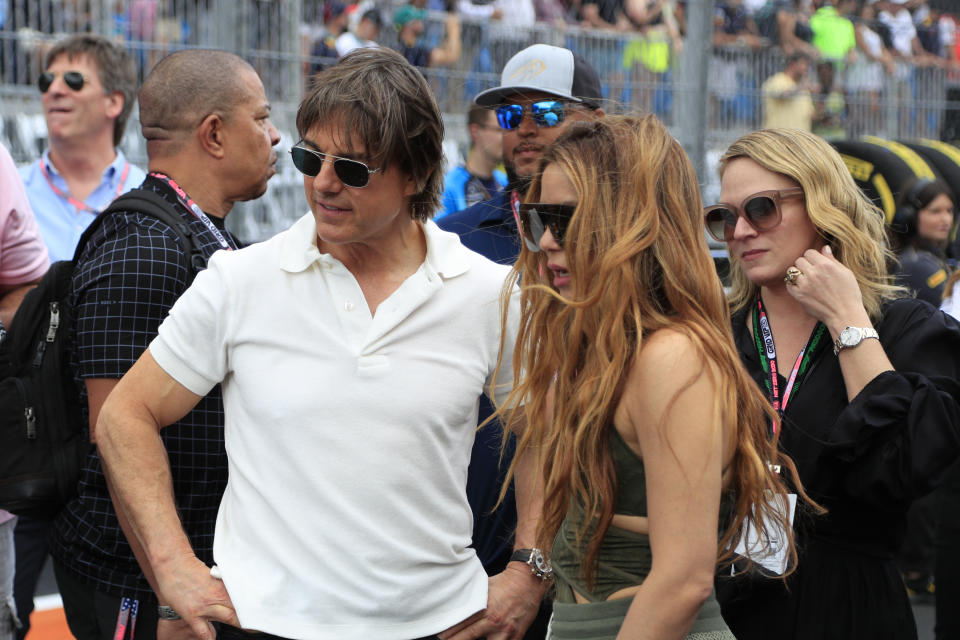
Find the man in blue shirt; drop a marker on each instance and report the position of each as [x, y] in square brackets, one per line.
[478, 178]
[542, 90]
[88, 89]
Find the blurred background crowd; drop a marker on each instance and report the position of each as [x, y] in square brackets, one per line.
[889, 68]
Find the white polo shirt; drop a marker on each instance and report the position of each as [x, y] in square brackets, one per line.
[348, 436]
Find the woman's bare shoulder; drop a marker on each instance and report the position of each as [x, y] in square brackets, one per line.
[665, 351]
[668, 364]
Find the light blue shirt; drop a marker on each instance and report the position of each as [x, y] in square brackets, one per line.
[61, 224]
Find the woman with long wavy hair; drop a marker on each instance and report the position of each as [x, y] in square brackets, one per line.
[865, 381]
[643, 423]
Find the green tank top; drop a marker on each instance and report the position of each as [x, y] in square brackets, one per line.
[624, 558]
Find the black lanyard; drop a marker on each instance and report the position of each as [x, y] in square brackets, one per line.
[763, 337]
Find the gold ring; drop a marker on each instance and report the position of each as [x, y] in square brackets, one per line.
[792, 274]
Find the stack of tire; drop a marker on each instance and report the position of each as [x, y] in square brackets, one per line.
[883, 168]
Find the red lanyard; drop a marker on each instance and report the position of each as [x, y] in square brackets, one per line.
[81, 206]
[193, 208]
[515, 209]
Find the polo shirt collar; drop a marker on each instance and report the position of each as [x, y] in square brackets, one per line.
[445, 255]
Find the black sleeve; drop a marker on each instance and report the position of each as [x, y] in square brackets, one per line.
[125, 285]
[902, 431]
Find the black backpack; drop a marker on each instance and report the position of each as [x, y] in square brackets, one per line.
[43, 430]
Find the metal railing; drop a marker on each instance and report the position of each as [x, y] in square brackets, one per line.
[639, 72]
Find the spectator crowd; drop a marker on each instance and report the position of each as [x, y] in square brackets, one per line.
[900, 52]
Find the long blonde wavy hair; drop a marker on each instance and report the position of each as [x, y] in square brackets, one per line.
[639, 262]
[851, 224]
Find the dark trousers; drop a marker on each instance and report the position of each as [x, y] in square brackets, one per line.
[948, 557]
[30, 546]
[92, 615]
[226, 632]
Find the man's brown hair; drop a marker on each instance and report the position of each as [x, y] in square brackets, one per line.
[115, 66]
[384, 103]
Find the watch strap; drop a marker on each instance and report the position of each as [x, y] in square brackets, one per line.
[165, 612]
[521, 555]
[539, 566]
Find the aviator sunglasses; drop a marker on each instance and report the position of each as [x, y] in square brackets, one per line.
[73, 79]
[537, 217]
[761, 211]
[352, 173]
[546, 113]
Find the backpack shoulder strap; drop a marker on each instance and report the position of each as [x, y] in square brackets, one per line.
[152, 204]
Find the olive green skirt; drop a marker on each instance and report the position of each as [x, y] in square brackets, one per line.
[602, 621]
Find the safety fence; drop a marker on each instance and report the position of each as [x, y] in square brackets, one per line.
[638, 73]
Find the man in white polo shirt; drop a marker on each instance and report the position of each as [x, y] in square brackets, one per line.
[353, 349]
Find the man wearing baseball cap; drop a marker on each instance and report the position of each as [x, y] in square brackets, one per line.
[542, 90]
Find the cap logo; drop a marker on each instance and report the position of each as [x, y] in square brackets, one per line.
[528, 70]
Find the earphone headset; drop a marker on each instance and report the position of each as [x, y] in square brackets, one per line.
[905, 217]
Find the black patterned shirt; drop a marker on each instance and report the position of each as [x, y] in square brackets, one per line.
[130, 274]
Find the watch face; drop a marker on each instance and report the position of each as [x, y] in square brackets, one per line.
[540, 562]
[850, 337]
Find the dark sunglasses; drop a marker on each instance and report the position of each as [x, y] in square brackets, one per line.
[537, 217]
[352, 173]
[546, 113]
[73, 79]
[761, 211]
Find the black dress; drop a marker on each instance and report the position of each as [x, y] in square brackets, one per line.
[864, 461]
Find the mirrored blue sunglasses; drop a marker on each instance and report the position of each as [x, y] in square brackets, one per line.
[545, 113]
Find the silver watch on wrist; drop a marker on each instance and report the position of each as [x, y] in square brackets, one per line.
[534, 558]
[852, 336]
[165, 612]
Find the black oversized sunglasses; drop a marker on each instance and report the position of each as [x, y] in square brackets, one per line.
[352, 173]
[546, 113]
[537, 217]
[73, 79]
[761, 210]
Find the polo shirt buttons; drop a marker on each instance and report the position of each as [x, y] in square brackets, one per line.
[348, 305]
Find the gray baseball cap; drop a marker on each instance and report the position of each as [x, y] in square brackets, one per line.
[554, 70]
